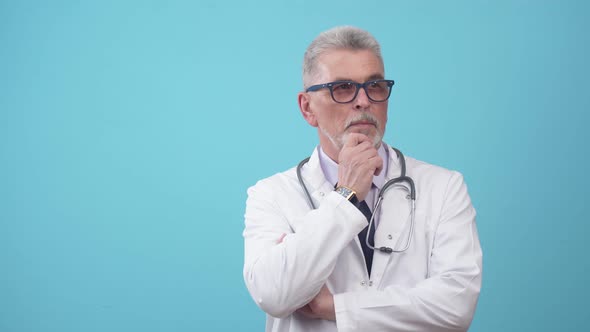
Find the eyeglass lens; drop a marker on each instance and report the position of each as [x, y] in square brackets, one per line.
[346, 91]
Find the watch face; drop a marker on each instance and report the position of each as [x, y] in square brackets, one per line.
[345, 192]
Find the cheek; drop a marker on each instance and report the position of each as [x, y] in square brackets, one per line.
[340, 119]
[382, 116]
[332, 117]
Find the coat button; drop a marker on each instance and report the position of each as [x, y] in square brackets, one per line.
[389, 236]
[322, 193]
[363, 283]
[370, 283]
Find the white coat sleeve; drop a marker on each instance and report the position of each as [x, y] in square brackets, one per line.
[446, 299]
[283, 277]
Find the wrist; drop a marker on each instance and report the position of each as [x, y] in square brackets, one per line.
[347, 193]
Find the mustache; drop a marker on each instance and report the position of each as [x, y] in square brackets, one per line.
[363, 117]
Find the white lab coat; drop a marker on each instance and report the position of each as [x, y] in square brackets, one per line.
[433, 286]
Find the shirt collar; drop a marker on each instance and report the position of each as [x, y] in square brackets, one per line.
[330, 168]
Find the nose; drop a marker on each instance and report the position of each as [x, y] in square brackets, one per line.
[362, 102]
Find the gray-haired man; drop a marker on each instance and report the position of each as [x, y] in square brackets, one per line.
[310, 238]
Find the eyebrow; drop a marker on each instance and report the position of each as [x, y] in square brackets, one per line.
[376, 77]
[371, 78]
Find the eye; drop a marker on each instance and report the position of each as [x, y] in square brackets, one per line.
[377, 85]
[344, 86]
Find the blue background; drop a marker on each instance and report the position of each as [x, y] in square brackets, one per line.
[130, 131]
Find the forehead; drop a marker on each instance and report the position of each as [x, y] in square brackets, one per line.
[344, 64]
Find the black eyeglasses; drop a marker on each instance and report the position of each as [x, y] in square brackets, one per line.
[344, 92]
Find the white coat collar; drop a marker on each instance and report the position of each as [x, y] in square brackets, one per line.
[394, 166]
[314, 178]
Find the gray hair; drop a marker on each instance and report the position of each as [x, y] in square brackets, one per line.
[343, 37]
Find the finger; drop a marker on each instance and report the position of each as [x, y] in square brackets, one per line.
[364, 151]
[366, 145]
[307, 312]
[355, 139]
[378, 162]
[325, 290]
[371, 159]
[361, 152]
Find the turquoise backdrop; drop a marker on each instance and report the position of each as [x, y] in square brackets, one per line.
[130, 131]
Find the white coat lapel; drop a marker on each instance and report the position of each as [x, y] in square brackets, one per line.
[315, 180]
[319, 187]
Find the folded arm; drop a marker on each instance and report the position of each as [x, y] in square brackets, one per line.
[283, 277]
[446, 299]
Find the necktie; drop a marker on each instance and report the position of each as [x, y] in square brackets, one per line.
[368, 252]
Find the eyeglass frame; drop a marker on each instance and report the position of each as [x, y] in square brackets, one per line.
[330, 86]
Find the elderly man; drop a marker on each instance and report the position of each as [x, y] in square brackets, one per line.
[359, 238]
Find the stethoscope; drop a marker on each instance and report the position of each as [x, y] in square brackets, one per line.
[396, 183]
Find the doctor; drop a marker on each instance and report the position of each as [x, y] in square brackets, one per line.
[311, 268]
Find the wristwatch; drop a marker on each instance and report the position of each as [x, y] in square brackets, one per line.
[348, 193]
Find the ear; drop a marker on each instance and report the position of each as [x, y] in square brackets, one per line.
[305, 108]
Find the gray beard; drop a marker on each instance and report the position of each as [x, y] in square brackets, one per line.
[338, 141]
